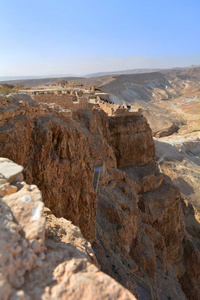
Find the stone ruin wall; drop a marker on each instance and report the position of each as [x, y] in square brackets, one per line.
[107, 107]
[66, 101]
[113, 109]
[63, 105]
[76, 100]
[70, 102]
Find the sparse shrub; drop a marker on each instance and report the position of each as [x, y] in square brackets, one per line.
[7, 90]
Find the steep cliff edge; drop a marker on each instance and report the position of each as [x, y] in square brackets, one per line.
[138, 211]
[131, 139]
[55, 156]
[158, 243]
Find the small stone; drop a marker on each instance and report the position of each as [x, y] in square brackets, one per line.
[9, 169]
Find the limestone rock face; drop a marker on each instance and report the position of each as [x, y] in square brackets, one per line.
[9, 170]
[86, 282]
[55, 156]
[192, 221]
[22, 233]
[95, 126]
[145, 233]
[147, 177]
[131, 139]
[118, 212]
[46, 258]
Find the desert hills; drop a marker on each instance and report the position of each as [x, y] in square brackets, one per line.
[136, 225]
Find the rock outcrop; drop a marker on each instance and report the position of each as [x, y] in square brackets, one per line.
[43, 257]
[137, 213]
[131, 139]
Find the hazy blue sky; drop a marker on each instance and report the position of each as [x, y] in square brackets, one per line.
[42, 37]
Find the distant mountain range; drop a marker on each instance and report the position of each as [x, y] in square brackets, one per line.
[90, 79]
[53, 76]
[8, 78]
[131, 71]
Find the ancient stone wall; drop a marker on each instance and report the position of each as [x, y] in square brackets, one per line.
[115, 109]
[77, 99]
[106, 107]
[72, 101]
[65, 100]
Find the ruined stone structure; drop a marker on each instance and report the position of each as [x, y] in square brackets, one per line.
[79, 95]
[76, 100]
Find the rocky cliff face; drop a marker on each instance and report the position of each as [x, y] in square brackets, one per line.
[44, 257]
[55, 156]
[137, 214]
[131, 139]
[150, 86]
[156, 227]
